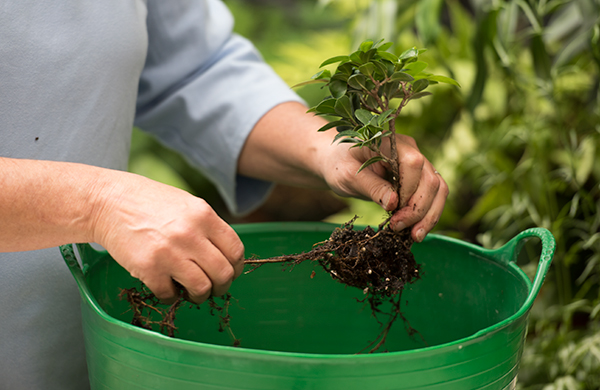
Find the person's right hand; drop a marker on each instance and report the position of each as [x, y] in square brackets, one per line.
[160, 234]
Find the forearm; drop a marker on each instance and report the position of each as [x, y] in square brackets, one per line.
[45, 204]
[284, 147]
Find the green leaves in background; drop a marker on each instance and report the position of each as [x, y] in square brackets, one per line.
[518, 146]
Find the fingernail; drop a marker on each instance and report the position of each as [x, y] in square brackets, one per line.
[420, 235]
[399, 226]
[386, 200]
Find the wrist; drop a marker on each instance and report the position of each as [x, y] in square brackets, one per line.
[102, 194]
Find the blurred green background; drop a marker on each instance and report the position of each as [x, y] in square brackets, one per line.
[518, 143]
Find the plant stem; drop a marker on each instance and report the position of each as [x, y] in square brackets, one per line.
[395, 165]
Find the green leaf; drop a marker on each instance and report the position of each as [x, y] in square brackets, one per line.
[320, 77]
[366, 46]
[367, 68]
[356, 58]
[327, 106]
[390, 88]
[385, 46]
[484, 37]
[388, 56]
[384, 117]
[380, 68]
[350, 141]
[333, 124]
[324, 74]
[423, 75]
[343, 107]
[409, 54]
[541, 59]
[346, 133]
[376, 134]
[338, 88]
[427, 20]
[358, 81]
[420, 85]
[345, 68]
[537, 28]
[443, 79]
[371, 101]
[419, 95]
[364, 116]
[310, 82]
[401, 76]
[334, 60]
[370, 161]
[415, 68]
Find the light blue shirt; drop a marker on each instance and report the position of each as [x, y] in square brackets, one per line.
[75, 76]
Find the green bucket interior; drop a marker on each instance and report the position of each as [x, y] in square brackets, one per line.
[465, 296]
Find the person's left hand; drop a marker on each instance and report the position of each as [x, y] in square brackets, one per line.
[422, 193]
[285, 147]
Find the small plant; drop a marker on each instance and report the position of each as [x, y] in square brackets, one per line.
[369, 89]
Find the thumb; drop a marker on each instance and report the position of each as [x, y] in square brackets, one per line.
[377, 189]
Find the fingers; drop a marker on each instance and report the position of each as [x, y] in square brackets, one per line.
[374, 187]
[424, 207]
[181, 240]
[411, 173]
[428, 222]
[210, 272]
[213, 263]
[226, 240]
[422, 193]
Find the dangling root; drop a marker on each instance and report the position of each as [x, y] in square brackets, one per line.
[145, 306]
[380, 263]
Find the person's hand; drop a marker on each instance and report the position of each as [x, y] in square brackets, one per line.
[160, 233]
[285, 146]
[423, 191]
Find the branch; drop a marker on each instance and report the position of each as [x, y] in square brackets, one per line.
[395, 165]
[375, 92]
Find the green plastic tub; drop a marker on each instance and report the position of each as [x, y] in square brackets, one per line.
[301, 332]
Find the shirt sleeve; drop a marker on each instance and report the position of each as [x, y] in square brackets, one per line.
[203, 89]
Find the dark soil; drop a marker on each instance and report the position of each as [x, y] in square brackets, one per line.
[380, 263]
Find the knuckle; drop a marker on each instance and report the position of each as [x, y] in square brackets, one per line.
[434, 183]
[444, 190]
[406, 138]
[413, 159]
[237, 253]
[199, 211]
[143, 267]
[163, 292]
[200, 290]
[226, 275]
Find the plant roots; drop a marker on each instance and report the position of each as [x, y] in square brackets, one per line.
[380, 263]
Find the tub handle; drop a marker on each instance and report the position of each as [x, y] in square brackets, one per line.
[509, 253]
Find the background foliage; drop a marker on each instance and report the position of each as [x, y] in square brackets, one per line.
[518, 144]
